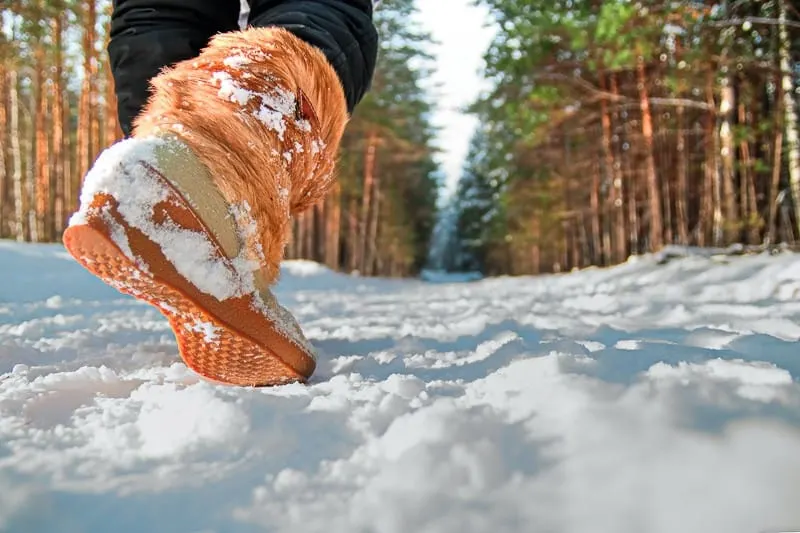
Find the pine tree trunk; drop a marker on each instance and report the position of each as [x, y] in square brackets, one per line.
[790, 118]
[371, 251]
[536, 252]
[42, 157]
[111, 129]
[333, 217]
[613, 173]
[631, 194]
[369, 178]
[666, 201]
[682, 212]
[749, 208]
[353, 259]
[713, 186]
[97, 84]
[774, 188]
[320, 232]
[308, 234]
[619, 186]
[59, 151]
[16, 158]
[727, 154]
[86, 111]
[4, 175]
[300, 237]
[30, 173]
[656, 224]
[594, 205]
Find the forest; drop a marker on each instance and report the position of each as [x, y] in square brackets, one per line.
[614, 128]
[611, 129]
[58, 112]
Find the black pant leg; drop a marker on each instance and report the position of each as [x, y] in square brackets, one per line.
[342, 29]
[147, 35]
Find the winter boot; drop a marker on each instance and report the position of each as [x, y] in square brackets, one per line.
[192, 214]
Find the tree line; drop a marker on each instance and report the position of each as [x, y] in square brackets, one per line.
[614, 128]
[58, 112]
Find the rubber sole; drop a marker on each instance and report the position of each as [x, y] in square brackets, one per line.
[229, 341]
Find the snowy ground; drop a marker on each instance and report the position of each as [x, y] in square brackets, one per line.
[642, 398]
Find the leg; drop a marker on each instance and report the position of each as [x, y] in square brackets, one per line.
[342, 29]
[148, 35]
[192, 212]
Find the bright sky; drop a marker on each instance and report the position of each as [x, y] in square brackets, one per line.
[460, 29]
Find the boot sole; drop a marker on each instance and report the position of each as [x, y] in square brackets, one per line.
[229, 342]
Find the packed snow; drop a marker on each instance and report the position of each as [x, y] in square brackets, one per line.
[650, 397]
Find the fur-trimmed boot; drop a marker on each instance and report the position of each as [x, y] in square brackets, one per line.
[192, 213]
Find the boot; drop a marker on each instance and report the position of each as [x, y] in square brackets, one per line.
[192, 213]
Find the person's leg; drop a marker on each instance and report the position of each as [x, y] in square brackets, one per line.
[342, 29]
[147, 35]
[192, 212]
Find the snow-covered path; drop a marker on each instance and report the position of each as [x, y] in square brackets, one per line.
[642, 398]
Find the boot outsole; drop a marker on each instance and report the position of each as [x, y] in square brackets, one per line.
[228, 341]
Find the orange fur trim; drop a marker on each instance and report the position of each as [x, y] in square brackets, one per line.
[265, 112]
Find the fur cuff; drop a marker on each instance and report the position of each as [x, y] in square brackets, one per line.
[265, 112]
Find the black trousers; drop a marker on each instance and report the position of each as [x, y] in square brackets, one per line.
[147, 35]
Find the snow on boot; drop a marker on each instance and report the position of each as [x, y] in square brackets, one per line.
[192, 214]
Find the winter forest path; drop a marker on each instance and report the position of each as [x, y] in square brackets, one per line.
[644, 397]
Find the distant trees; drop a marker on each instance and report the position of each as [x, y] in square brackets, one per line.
[616, 127]
[611, 128]
[58, 111]
[380, 217]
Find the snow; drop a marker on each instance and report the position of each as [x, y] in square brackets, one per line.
[642, 398]
[274, 106]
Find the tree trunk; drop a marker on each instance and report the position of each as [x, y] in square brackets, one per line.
[749, 206]
[96, 87]
[666, 202]
[59, 125]
[371, 252]
[682, 212]
[308, 234]
[319, 232]
[16, 158]
[86, 111]
[712, 189]
[299, 236]
[774, 189]
[4, 176]
[790, 113]
[353, 257]
[727, 154]
[333, 215]
[42, 157]
[614, 175]
[536, 253]
[622, 220]
[369, 178]
[111, 129]
[631, 194]
[594, 204]
[30, 171]
[656, 224]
